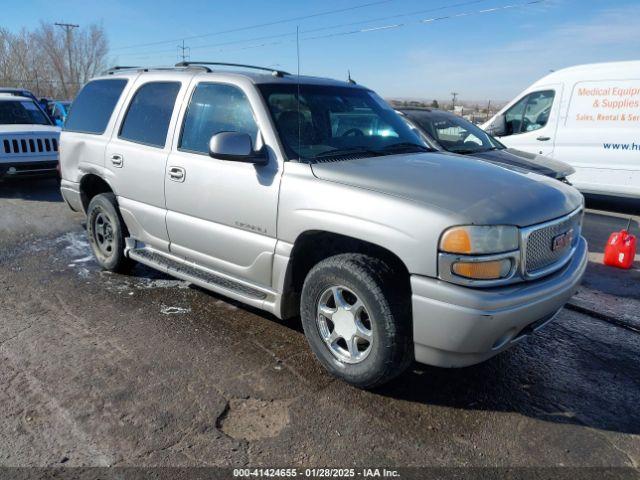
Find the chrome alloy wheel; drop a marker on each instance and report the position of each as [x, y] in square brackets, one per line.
[103, 234]
[344, 324]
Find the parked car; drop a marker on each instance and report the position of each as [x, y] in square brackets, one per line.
[28, 139]
[57, 111]
[303, 195]
[587, 116]
[445, 131]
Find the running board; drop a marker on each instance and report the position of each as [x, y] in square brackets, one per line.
[197, 275]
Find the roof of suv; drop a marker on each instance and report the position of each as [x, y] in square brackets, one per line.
[257, 77]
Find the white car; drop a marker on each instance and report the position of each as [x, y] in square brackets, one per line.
[587, 116]
[28, 139]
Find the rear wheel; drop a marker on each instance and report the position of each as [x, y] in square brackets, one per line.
[107, 233]
[357, 319]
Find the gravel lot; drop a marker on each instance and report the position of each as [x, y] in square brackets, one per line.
[103, 369]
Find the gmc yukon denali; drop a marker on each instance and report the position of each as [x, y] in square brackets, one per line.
[312, 197]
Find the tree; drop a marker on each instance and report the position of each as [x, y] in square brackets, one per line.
[435, 104]
[39, 60]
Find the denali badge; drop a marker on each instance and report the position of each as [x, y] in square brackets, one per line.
[562, 241]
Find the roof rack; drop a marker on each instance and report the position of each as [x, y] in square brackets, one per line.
[109, 71]
[274, 72]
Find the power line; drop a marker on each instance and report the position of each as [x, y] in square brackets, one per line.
[259, 25]
[318, 29]
[361, 30]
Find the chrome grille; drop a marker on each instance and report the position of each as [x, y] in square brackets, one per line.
[538, 241]
[24, 145]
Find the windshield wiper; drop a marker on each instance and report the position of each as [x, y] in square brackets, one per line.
[346, 151]
[406, 146]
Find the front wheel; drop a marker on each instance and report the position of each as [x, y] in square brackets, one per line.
[107, 233]
[356, 317]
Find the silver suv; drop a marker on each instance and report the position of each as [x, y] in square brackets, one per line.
[309, 196]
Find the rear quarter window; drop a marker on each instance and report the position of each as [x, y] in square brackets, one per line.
[93, 107]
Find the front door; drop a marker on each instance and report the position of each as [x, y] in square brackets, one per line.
[531, 122]
[220, 213]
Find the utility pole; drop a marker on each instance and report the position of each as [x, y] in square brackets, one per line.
[68, 28]
[453, 100]
[184, 53]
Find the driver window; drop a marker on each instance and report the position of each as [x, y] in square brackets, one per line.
[536, 114]
[215, 108]
[530, 113]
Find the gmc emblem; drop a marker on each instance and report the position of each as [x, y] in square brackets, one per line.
[562, 241]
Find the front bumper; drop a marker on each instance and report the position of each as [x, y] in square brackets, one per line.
[455, 326]
[28, 169]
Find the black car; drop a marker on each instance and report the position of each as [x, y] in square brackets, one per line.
[446, 131]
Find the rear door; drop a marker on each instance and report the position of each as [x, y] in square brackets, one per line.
[136, 156]
[531, 122]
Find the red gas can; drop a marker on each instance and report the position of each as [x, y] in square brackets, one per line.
[621, 249]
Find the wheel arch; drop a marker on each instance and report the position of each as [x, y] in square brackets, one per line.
[313, 246]
[90, 186]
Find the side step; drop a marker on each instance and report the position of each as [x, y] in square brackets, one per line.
[195, 274]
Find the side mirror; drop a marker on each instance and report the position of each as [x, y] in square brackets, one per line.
[236, 147]
[498, 127]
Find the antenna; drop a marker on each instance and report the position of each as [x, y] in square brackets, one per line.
[298, 85]
[349, 79]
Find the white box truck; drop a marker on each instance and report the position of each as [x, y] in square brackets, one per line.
[587, 116]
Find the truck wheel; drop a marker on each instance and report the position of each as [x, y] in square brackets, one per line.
[107, 231]
[357, 319]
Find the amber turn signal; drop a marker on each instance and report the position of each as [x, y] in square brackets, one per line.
[492, 270]
[456, 240]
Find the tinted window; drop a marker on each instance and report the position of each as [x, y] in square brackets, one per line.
[530, 113]
[147, 119]
[92, 108]
[215, 108]
[16, 112]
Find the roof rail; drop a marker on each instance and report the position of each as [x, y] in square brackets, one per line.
[111, 70]
[274, 72]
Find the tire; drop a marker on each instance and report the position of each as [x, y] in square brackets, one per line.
[107, 232]
[369, 286]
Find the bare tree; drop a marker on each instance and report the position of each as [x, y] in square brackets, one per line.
[39, 60]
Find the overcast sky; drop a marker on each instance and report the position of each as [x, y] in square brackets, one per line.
[401, 48]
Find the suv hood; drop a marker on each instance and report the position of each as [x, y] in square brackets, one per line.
[480, 192]
[528, 161]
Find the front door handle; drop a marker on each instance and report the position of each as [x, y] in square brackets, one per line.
[543, 139]
[177, 174]
[117, 160]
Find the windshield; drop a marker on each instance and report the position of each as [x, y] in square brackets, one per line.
[326, 121]
[16, 112]
[454, 133]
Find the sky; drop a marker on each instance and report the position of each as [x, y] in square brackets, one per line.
[482, 49]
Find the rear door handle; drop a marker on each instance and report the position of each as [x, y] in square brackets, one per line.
[543, 139]
[117, 160]
[177, 174]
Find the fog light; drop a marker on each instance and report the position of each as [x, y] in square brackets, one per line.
[492, 270]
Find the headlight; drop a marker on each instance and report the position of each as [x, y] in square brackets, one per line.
[480, 240]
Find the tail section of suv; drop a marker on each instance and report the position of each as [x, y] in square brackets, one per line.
[312, 197]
